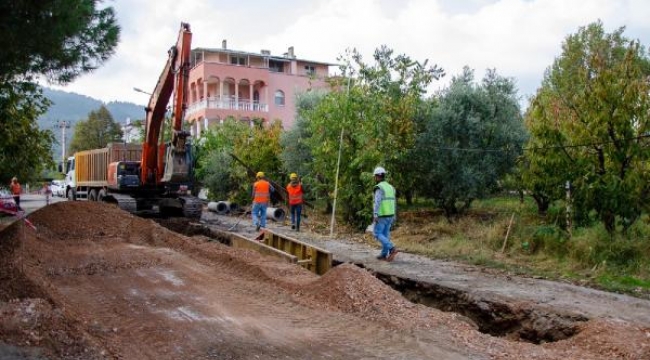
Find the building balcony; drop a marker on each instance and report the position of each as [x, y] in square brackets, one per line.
[227, 103]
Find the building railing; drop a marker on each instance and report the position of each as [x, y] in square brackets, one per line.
[227, 103]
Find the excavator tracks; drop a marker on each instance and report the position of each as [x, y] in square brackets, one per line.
[126, 202]
[192, 207]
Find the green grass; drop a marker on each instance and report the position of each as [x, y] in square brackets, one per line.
[536, 245]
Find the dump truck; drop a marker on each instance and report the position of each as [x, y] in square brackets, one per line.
[155, 175]
[94, 174]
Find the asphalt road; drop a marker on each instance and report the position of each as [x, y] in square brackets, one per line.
[29, 203]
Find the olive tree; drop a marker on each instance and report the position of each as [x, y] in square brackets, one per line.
[470, 142]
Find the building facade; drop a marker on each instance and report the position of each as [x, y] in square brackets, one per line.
[248, 86]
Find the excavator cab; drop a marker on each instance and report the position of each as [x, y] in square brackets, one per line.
[124, 175]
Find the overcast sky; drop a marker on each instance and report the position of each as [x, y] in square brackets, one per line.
[519, 38]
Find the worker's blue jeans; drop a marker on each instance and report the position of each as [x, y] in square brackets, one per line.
[382, 233]
[259, 214]
[296, 211]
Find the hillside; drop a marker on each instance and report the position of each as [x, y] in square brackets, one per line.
[72, 107]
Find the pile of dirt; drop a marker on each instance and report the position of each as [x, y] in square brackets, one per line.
[35, 323]
[84, 252]
[352, 290]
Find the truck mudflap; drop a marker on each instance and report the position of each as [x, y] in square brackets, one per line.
[192, 207]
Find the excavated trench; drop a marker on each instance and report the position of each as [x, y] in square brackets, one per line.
[516, 323]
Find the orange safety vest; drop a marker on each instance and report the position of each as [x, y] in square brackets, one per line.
[295, 194]
[15, 189]
[261, 191]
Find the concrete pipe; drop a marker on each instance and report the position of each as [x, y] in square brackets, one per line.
[220, 207]
[212, 206]
[275, 214]
[232, 207]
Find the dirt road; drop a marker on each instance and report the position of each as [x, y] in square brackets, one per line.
[93, 282]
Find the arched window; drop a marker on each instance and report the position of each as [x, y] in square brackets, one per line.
[279, 98]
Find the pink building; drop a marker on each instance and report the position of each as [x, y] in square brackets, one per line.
[248, 86]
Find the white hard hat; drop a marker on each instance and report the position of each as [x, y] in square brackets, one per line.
[379, 171]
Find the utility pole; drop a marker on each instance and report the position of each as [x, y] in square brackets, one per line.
[63, 124]
[338, 164]
[569, 215]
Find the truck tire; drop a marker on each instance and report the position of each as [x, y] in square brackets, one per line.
[92, 195]
[101, 195]
[71, 195]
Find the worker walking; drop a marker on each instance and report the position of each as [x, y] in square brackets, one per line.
[295, 192]
[16, 189]
[47, 191]
[384, 210]
[262, 190]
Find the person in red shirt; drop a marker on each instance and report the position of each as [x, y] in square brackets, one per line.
[295, 191]
[16, 189]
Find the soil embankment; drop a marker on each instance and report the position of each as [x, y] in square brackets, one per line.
[94, 282]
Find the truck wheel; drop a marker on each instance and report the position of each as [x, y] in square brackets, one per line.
[92, 195]
[101, 195]
[71, 195]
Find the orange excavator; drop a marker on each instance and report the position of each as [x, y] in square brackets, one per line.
[168, 168]
[158, 176]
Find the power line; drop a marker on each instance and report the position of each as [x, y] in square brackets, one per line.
[543, 147]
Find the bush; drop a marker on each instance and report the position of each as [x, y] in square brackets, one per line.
[551, 239]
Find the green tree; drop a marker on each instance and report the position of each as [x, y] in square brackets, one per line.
[215, 164]
[374, 108]
[261, 152]
[589, 122]
[96, 131]
[25, 150]
[471, 141]
[57, 39]
[258, 147]
[295, 153]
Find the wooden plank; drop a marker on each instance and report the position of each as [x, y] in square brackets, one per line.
[238, 241]
[313, 258]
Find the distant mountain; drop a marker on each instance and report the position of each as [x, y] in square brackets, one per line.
[71, 107]
[74, 107]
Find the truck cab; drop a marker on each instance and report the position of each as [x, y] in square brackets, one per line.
[70, 184]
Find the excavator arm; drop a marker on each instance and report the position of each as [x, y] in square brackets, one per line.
[174, 165]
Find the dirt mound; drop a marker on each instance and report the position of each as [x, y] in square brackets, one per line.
[351, 289]
[93, 281]
[610, 339]
[34, 323]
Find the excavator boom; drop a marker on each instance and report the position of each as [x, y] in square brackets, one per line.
[173, 80]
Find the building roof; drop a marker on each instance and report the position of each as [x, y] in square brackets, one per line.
[269, 56]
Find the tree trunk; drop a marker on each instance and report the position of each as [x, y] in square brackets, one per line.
[408, 194]
[543, 204]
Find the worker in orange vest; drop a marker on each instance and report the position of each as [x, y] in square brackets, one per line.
[294, 189]
[16, 189]
[262, 190]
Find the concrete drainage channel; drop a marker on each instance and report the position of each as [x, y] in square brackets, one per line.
[516, 323]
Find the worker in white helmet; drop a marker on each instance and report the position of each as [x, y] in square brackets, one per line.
[384, 210]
